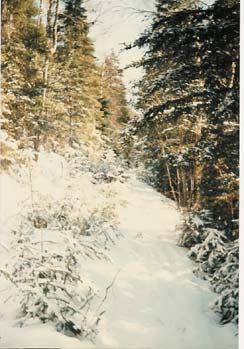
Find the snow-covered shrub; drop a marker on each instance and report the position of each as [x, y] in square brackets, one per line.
[217, 261]
[90, 225]
[50, 245]
[193, 229]
[227, 271]
[52, 290]
[211, 252]
[105, 167]
[225, 281]
[46, 268]
[78, 160]
[66, 216]
[109, 169]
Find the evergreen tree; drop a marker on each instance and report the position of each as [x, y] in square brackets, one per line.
[50, 80]
[113, 98]
[113, 90]
[23, 48]
[75, 76]
[189, 98]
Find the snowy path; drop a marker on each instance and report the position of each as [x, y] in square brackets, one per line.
[155, 302]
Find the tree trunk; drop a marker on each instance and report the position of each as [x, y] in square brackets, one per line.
[70, 130]
[178, 186]
[184, 188]
[39, 21]
[55, 28]
[51, 32]
[170, 179]
[192, 190]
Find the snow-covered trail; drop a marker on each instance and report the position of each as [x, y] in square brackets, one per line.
[155, 301]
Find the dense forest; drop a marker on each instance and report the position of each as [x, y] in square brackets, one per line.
[181, 136]
[54, 92]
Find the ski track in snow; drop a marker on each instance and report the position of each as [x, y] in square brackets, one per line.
[155, 302]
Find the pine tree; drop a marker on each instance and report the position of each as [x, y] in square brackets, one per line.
[22, 77]
[188, 95]
[50, 79]
[113, 90]
[115, 108]
[75, 75]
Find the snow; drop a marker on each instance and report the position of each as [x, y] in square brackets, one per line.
[152, 298]
[155, 301]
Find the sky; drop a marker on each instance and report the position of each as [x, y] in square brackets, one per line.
[119, 22]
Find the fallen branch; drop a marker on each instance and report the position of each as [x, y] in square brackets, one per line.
[107, 290]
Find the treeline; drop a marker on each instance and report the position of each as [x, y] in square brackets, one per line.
[54, 92]
[187, 132]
